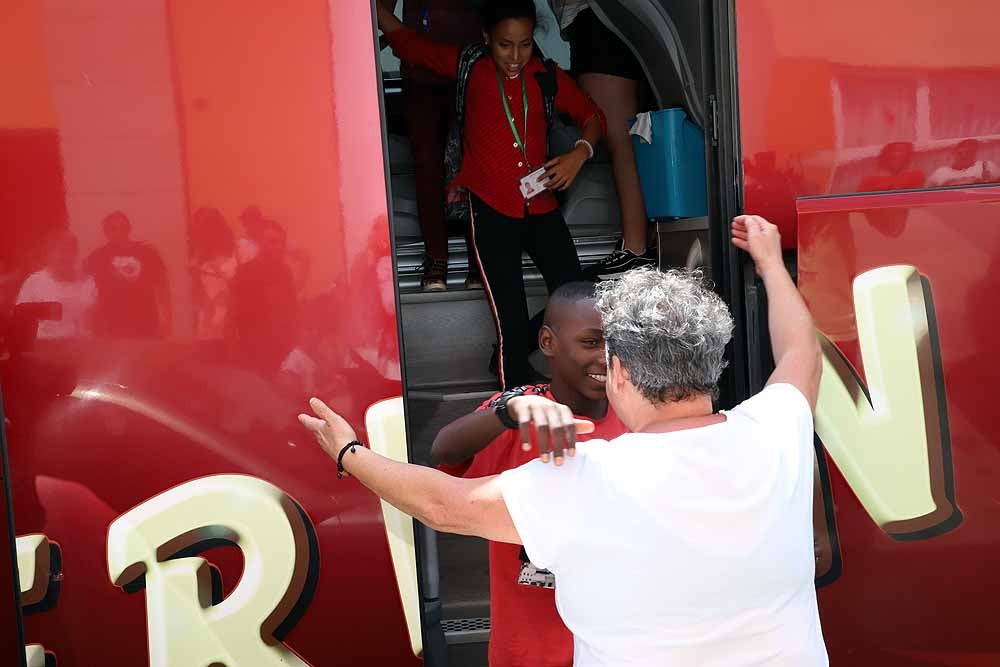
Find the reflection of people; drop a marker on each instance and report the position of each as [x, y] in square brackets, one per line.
[826, 269]
[525, 628]
[769, 188]
[505, 139]
[965, 169]
[693, 533]
[893, 171]
[133, 298]
[62, 282]
[371, 340]
[8, 293]
[253, 224]
[607, 70]
[262, 317]
[8, 285]
[430, 107]
[213, 265]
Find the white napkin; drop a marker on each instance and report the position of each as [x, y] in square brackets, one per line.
[643, 127]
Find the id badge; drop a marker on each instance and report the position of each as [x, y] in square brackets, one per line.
[532, 185]
[530, 575]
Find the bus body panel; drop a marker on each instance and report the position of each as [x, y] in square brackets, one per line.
[914, 594]
[152, 413]
[182, 114]
[837, 100]
[840, 97]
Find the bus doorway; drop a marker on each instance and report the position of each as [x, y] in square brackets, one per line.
[448, 336]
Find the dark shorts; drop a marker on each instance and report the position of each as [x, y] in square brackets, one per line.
[596, 50]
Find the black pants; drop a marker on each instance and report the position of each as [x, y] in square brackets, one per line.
[499, 241]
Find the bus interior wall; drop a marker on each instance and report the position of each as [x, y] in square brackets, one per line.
[448, 336]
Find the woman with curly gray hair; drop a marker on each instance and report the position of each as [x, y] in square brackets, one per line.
[685, 542]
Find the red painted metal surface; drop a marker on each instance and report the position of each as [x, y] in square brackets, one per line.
[922, 601]
[240, 143]
[249, 268]
[10, 639]
[839, 97]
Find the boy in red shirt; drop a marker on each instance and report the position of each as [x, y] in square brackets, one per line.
[526, 630]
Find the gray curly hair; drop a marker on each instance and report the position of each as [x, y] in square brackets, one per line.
[668, 330]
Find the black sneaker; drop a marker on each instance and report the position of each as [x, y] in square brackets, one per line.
[620, 261]
[435, 278]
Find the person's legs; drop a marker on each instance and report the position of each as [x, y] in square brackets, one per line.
[608, 71]
[496, 241]
[549, 244]
[428, 110]
[618, 98]
[473, 280]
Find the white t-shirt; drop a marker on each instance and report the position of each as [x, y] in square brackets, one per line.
[982, 171]
[77, 298]
[685, 548]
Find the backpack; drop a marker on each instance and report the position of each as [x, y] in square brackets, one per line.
[453, 151]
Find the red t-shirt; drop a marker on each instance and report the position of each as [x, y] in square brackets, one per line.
[492, 164]
[526, 630]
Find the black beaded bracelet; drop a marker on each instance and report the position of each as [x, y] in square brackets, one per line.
[340, 457]
[499, 405]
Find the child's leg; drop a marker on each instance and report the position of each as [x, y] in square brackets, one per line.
[428, 111]
[548, 241]
[497, 243]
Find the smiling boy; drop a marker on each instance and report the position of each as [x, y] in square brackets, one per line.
[525, 627]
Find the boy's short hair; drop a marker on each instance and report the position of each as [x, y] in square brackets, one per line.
[571, 292]
[577, 290]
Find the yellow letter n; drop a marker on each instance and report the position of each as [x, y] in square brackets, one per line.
[889, 437]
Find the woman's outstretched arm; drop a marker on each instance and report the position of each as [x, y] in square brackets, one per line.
[440, 501]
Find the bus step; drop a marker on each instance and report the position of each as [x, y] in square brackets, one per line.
[466, 630]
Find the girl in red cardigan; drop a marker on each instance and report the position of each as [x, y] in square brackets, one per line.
[506, 139]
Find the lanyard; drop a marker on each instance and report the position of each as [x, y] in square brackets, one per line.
[510, 116]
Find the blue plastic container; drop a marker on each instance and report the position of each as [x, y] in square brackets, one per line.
[672, 167]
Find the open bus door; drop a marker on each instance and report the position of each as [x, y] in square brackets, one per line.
[904, 288]
[212, 167]
[688, 53]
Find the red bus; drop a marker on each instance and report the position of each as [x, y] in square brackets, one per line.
[244, 169]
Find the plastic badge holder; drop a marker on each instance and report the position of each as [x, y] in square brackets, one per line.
[532, 184]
